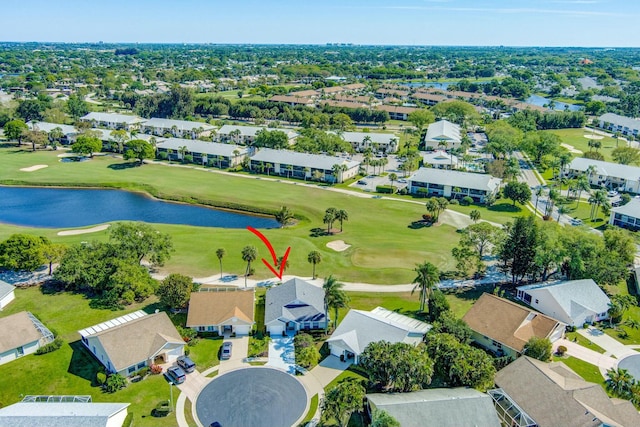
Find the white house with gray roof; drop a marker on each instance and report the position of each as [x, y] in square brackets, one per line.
[359, 328]
[204, 153]
[63, 414]
[574, 302]
[7, 293]
[627, 216]
[377, 142]
[449, 183]
[436, 407]
[293, 306]
[68, 131]
[615, 123]
[129, 343]
[606, 174]
[293, 164]
[21, 334]
[113, 120]
[439, 159]
[247, 134]
[177, 128]
[443, 133]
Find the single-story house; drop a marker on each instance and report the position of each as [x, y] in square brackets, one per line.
[615, 123]
[443, 133]
[113, 120]
[436, 407]
[505, 327]
[177, 128]
[626, 216]
[450, 183]
[293, 164]
[131, 342]
[439, 159]
[68, 132]
[224, 312]
[7, 293]
[204, 153]
[378, 142]
[21, 334]
[293, 306]
[63, 413]
[534, 393]
[607, 174]
[360, 328]
[574, 302]
[247, 134]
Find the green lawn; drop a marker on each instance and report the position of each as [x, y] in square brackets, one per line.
[633, 335]
[586, 370]
[205, 353]
[343, 376]
[585, 342]
[576, 138]
[313, 407]
[384, 249]
[71, 369]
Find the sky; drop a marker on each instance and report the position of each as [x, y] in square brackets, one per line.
[371, 22]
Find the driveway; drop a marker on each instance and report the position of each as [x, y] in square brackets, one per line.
[282, 354]
[239, 353]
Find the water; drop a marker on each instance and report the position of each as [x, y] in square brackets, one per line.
[437, 85]
[70, 208]
[542, 102]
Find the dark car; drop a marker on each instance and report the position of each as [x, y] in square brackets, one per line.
[176, 375]
[186, 364]
[226, 350]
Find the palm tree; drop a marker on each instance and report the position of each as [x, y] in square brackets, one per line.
[366, 142]
[306, 170]
[329, 217]
[314, 258]
[562, 210]
[538, 193]
[383, 162]
[236, 153]
[55, 135]
[442, 205]
[249, 254]
[474, 215]
[220, 253]
[428, 276]
[284, 216]
[619, 382]
[342, 215]
[582, 184]
[269, 166]
[183, 151]
[279, 262]
[393, 177]
[334, 297]
[456, 191]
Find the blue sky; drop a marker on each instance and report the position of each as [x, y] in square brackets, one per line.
[413, 22]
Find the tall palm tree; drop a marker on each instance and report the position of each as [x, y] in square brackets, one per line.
[249, 254]
[342, 215]
[284, 216]
[427, 277]
[314, 258]
[538, 193]
[619, 382]
[183, 151]
[562, 210]
[279, 262]
[334, 297]
[329, 218]
[220, 253]
[393, 177]
[582, 184]
[55, 135]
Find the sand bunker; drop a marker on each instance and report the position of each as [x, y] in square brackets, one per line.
[84, 230]
[338, 245]
[571, 148]
[590, 136]
[34, 168]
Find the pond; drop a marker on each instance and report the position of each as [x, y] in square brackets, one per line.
[70, 208]
[541, 101]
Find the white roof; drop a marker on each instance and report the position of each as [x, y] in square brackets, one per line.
[615, 170]
[100, 327]
[112, 118]
[620, 120]
[378, 138]
[360, 328]
[631, 209]
[573, 296]
[203, 147]
[48, 127]
[59, 414]
[287, 157]
[453, 178]
[443, 130]
[5, 289]
[253, 130]
[180, 124]
[439, 157]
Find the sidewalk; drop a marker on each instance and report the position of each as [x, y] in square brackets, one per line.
[611, 345]
[604, 362]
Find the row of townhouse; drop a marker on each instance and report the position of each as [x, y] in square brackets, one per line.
[626, 126]
[606, 174]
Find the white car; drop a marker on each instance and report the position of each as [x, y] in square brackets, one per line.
[612, 193]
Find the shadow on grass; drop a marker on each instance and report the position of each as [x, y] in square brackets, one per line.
[416, 225]
[124, 166]
[471, 294]
[504, 207]
[318, 232]
[83, 364]
[52, 287]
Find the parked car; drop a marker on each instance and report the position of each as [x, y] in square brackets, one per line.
[186, 364]
[176, 375]
[226, 350]
[576, 221]
[612, 193]
[402, 181]
[362, 182]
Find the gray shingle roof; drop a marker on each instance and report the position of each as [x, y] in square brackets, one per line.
[631, 209]
[59, 414]
[17, 330]
[456, 179]
[443, 130]
[112, 117]
[379, 138]
[287, 157]
[279, 299]
[360, 328]
[606, 168]
[620, 120]
[203, 147]
[438, 407]
[180, 124]
[48, 127]
[573, 296]
[439, 157]
[5, 289]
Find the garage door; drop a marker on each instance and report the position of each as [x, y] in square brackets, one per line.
[336, 349]
[276, 329]
[242, 329]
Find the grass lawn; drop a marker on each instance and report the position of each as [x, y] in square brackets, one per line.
[586, 370]
[343, 376]
[313, 407]
[576, 138]
[585, 342]
[632, 335]
[205, 353]
[188, 415]
[502, 211]
[72, 369]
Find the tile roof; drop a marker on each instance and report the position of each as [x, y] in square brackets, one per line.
[17, 330]
[202, 147]
[316, 161]
[443, 130]
[508, 323]
[214, 308]
[553, 395]
[615, 170]
[438, 407]
[59, 414]
[279, 298]
[456, 179]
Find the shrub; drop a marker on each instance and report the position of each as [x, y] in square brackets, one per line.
[115, 382]
[387, 189]
[156, 369]
[454, 202]
[143, 372]
[101, 378]
[52, 346]
[466, 200]
[187, 351]
[188, 158]
[561, 350]
[163, 155]
[307, 355]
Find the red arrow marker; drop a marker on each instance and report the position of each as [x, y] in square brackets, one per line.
[266, 241]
